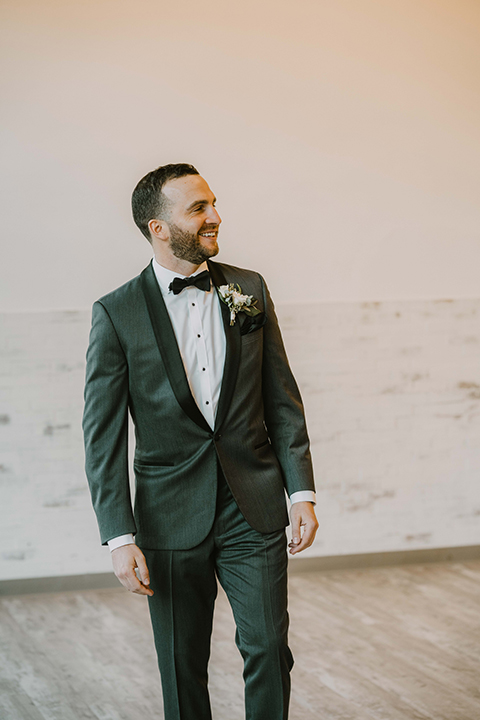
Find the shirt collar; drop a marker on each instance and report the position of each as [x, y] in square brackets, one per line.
[165, 276]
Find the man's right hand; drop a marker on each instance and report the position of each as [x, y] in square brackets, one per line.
[125, 559]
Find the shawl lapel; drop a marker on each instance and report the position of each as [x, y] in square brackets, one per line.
[167, 345]
[232, 353]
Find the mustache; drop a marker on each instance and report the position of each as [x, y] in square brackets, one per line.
[209, 228]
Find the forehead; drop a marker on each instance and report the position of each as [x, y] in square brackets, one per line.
[183, 191]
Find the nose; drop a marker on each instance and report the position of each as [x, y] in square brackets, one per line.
[213, 216]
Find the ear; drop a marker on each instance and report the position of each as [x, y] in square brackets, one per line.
[159, 229]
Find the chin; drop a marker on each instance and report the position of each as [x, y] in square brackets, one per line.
[210, 252]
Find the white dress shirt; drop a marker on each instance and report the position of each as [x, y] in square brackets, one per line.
[196, 317]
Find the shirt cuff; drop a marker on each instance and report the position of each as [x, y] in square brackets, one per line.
[117, 542]
[303, 496]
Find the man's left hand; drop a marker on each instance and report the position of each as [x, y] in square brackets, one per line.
[302, 515]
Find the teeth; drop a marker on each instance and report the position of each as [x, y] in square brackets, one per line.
[212, 234]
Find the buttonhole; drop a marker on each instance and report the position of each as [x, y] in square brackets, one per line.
[262, 444]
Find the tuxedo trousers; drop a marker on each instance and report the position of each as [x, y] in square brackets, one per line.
[252, 569]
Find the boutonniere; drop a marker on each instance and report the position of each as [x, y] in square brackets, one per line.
[232, 296]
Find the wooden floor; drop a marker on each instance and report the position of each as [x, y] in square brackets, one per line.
[378, 644]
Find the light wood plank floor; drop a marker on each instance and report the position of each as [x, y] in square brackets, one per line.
[373, 644]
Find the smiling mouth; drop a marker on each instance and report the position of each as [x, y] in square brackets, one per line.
[210, 233]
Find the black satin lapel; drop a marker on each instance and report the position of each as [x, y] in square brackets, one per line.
[167, 344]
[232, 353]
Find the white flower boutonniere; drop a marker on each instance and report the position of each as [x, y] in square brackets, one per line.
[232, 296]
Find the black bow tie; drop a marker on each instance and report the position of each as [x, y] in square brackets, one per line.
[201, 281]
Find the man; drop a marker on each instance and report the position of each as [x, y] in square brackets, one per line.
[220, 435]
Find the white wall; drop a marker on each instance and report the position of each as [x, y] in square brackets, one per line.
[342, 141]
[341, 138]
[392, 394]
[393, 414]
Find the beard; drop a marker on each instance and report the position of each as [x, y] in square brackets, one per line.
[188, 246]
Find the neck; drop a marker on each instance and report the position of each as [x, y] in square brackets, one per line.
[182, 267]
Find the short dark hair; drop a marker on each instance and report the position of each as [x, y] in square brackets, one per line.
[148, 201]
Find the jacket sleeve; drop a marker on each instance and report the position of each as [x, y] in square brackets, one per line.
[284, 413]
[105, 426]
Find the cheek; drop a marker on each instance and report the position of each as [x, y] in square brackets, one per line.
[194, 227]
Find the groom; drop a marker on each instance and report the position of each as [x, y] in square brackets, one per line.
[220, 436]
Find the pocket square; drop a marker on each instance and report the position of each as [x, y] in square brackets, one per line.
[250, 324]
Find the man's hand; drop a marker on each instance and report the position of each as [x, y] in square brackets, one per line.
[125, 559]
[302, 514]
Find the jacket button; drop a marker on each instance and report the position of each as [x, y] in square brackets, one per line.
[217, 436]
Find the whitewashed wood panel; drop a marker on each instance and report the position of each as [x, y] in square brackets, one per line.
[392, 394]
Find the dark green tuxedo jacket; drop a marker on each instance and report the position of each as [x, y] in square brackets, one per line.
[260, 438]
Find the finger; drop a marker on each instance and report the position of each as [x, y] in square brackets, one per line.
[145, 589]
[134, 585]
[142, 590]
[142, 568]
[309, 534]
[296, 534]
[126, 575]
[307, 539]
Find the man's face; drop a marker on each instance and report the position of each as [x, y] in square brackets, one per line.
[193, 221]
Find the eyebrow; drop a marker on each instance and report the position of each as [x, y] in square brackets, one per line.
[200, 202]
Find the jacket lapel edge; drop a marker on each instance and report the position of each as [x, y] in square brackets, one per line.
[168, 347]
[232, 353]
